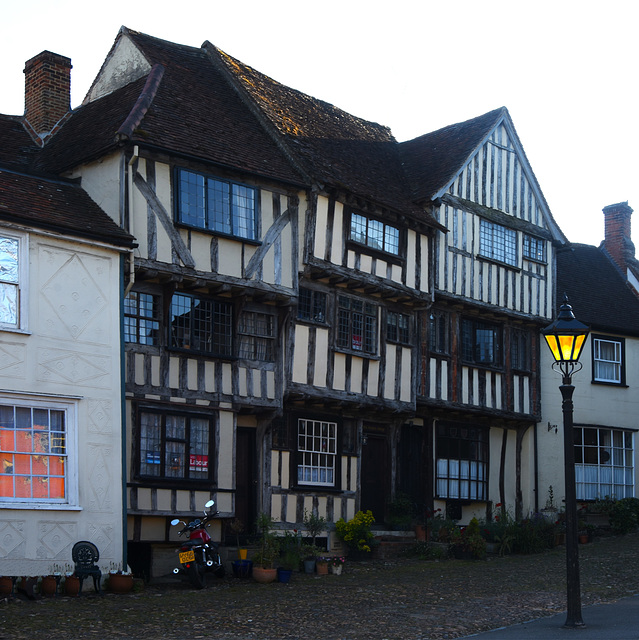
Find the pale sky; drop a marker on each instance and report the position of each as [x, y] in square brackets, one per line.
[565, 69]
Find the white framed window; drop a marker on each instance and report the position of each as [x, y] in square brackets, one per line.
[498, 242]
[607, 360]
[14, 261]
[462, 462]
[317, 451]
[604, 463]
[38, 463]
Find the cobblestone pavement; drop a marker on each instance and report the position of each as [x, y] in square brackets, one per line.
[376, 599]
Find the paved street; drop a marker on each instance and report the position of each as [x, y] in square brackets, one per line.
[377, 599]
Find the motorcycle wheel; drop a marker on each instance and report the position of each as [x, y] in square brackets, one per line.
[197, 575]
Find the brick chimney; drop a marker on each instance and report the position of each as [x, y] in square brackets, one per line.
[617, 234]
[47, 96]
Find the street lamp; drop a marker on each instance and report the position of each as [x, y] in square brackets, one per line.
[566, 337]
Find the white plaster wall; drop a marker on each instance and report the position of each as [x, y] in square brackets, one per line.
[71, 352]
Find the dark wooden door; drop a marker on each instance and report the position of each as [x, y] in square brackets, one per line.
[375, 474]
[410, 468]
[245, 479]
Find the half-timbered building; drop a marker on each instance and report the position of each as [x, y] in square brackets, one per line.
[479, 386]
[316, 317]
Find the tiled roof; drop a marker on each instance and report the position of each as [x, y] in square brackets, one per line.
[193, 111]
[91, 130]
[431, 160]
[17, 149]
[598, 292]
[336, 148]
[203, 104]
[56, 205]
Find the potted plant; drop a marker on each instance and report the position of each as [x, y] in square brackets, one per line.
[289, 562]
[357, 534]
[309, 553]
[71, 584]
[119, 581]
[314, 524]
[321, 565]
[6, 586]
[237, 527]
[337, 564]
[263, 570]
[48, 585]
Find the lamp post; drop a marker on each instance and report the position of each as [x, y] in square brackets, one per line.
[566, 337]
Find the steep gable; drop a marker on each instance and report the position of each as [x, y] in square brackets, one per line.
[481, 161]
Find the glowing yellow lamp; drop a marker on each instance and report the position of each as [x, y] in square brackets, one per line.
[566, 336]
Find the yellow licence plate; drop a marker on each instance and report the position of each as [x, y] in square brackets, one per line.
[187, 556]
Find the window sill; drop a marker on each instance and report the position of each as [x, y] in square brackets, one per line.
[487, 367]
[375, 253]
[317, 487]
[603, 383]
[499, 263]
[39, 506]
[360, 354]
[220, 234]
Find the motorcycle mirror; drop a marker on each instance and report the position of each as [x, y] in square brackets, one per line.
[174, 522]
[209, 504]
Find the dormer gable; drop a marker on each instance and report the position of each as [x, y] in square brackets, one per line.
[124, 64]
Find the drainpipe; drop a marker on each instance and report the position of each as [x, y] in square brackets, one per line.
[123, 421]
[536, 447]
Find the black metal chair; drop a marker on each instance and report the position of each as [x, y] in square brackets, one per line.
[85, 555]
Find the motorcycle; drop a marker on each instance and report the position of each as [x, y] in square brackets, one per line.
[199, 554]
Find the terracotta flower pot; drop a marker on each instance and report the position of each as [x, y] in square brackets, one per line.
[48, 586]
[6, 586]
[322, 567]
[72, 585]
[260, 574]
[120, 582]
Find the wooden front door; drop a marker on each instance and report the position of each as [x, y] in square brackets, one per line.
[245, 479]
[375, 475]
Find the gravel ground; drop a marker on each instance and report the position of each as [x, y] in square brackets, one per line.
[375, 599]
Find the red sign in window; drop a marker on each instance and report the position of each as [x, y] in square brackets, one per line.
[198, 463]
